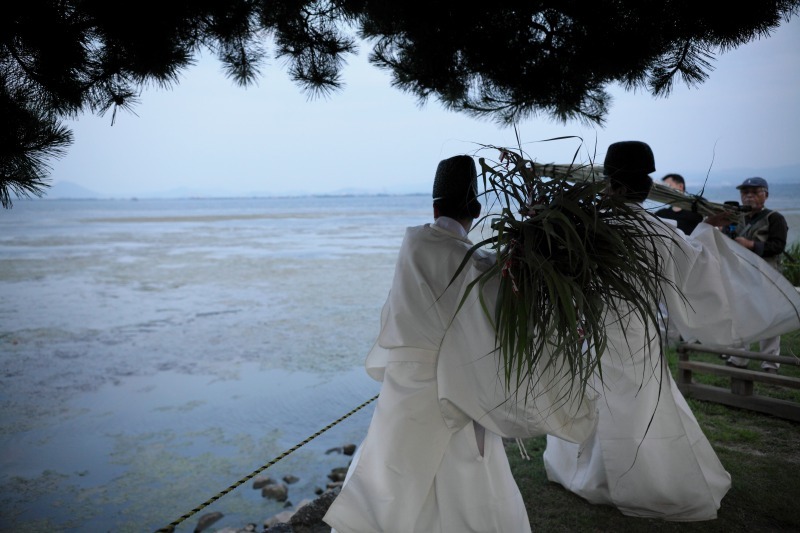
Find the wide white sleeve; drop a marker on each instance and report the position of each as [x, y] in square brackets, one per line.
[726, 294]
[471, 384]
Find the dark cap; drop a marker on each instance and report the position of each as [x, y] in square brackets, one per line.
[754, 182]
[456, 179]
[629, 157]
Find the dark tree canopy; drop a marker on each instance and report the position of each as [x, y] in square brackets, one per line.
[506, 62]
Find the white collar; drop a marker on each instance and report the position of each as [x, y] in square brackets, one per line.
[452, 225]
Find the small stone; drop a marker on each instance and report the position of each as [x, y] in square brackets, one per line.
[284, 528]
[262, 481]
[275, 492]
[207, 520]
[349, 449]
[338, 474]
[281, 518]
[289, 479]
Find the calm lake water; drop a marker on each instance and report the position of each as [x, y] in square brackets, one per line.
[154, 352]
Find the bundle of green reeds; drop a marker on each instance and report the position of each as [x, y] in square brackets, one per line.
[567, 255]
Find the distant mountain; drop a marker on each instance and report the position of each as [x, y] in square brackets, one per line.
[73, 191]
[187, 192]
[67, 189]
[718, 178]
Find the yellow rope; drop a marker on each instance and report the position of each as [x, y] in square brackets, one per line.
[171, 527]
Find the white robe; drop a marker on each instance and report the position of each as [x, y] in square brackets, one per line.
[419, 468]
[648, 456]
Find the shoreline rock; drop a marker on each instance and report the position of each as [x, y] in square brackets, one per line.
[305, 518]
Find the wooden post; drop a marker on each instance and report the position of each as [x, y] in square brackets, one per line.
[684, 374]
[742, 387]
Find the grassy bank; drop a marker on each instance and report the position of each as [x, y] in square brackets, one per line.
[762, 454]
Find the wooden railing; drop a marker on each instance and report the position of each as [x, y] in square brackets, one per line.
[741, 392]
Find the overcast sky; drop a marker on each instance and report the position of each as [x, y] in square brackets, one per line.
[210, 136]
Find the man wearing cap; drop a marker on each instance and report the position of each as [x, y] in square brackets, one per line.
[433, 460]
[648, 456]
[764, 233]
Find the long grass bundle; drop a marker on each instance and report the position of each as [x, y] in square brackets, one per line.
[567, 255]
[658, 191]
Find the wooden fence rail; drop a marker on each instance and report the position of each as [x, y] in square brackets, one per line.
[741, 392]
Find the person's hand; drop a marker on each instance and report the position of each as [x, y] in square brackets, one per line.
[720, 219]
[747, 243]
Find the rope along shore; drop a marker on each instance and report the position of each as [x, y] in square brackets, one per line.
[171, 527]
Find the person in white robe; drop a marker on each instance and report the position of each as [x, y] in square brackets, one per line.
[648, 456]
[433, 459]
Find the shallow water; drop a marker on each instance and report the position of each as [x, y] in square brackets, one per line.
[155, 352]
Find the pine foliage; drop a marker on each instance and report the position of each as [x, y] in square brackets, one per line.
[501, 62]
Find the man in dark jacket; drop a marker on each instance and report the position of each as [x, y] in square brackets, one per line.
[687, 220]
[764, 233]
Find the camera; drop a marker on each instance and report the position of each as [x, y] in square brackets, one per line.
[733, 205]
